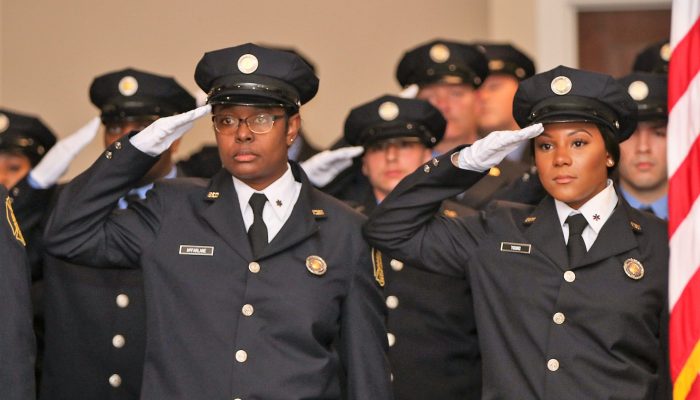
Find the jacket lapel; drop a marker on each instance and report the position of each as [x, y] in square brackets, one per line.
[615, 237]
[545, 233]
[301, 223]
[224, 215]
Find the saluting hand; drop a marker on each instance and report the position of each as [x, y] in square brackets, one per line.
[323, 167]
[157, 137]
[56, 162]
[492, 149]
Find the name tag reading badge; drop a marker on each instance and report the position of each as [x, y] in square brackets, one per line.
[522, 248]
[190, 250]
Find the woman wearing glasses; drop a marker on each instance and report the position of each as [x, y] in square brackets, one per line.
[258, 286]
[570, 296]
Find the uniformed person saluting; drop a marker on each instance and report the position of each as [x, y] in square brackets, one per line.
[17, 344]
[95, 319]
[290, 309]
[433, 347]
[570, 296]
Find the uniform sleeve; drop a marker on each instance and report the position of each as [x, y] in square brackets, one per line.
[84, 226]
[363, 343]
[405, 225]
[17, 346]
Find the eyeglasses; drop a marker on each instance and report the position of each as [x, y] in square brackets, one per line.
[258, 123]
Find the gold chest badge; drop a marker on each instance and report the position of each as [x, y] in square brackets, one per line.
[633, 268]
[12, 221]
[316, 265]
[378, 266]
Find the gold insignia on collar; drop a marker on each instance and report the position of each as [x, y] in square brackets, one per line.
[128, 86]
[495, 171]
[633, 268]
[449, 213]
[436, 162]
[213, 195]
[316, 265]
[529, 220]
[318, 213]
[635, 226]
[378, 266]
[14, 226]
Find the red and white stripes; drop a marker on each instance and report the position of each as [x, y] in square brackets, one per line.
[684, 202]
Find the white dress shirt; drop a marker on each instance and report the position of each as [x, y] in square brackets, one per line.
[597, 210]
[282, 195]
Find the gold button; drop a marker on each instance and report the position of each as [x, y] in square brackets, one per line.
[118, 145]
[115, 380]
[396, 265]
[241, 356]
[558, 318]
[254, 267]
[391, 338]
[118, 341]
[569, 276]
[122, 301]
[108, 154]
[247, 310]
[553, 364]
[392, 302]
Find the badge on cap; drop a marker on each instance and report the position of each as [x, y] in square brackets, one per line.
[520, 73]
[128, 86]
[633, 268]
[665, 52]
[561, 85]
[247, 63]
[439, 53]
[496, 65]
[316, 265]
[4, 123]
[638, 90]
[388, 111]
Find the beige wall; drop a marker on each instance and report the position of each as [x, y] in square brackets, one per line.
[51, 50]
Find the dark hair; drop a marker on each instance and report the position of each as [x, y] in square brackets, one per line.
[611, 146]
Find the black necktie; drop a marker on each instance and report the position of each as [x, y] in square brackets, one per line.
[576, 247]
[257, 233]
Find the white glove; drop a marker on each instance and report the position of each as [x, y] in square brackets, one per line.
[157, 137]
[410, 91]
[492, 149]
[323, 167]
[56, 162]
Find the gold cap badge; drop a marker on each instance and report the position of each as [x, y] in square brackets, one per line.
[439, 53]
[388, 111]
[128, 86]
[561, 85]
[638, 90]
[633, 268]
[665, 52]
[316, 265]
[247, 63]
[496, 65]
[4, 123]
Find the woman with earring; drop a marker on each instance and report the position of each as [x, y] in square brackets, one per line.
[570, 295]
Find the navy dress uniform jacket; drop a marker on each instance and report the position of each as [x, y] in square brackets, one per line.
[433, 342]
[17, 345]
[611, 341]
[91, 323]
[220, 324]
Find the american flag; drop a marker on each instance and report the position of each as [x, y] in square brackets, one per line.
[684, 204]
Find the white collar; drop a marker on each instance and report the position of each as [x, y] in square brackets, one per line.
[280, 193]
[597, 210]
